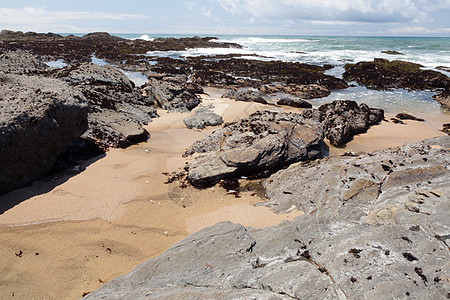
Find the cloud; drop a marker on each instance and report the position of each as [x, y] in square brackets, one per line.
[29, 15]
[417, 30]
[356, 11]
[206, 12]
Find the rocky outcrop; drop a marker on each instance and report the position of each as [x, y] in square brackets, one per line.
[21, 62]
[265, 141]
[385, 74]
[376, 227]
[173, 94]
[39, 119]
[304, 91]
[116, 111]
[245, 94]
[294, 102]
[443, 98]
[342, 119]
[203, 116]
[406, 116]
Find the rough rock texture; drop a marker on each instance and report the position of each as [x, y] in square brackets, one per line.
[295, 102]
[342, 119]
[385, 74]
[265, 141]
[443, 98]
[364, 236]
[203, 116]
[39, 118]
[173, 94]
[116, 111]
[405, 116]
[21, 62]
[304, 91]
[246, 94]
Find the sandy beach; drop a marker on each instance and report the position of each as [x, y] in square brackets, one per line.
[82, 229]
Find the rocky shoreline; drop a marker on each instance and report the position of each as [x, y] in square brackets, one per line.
[375, 224]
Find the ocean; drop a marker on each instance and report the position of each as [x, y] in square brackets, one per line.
[430, 52]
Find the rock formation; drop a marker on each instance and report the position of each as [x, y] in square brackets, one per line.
[40, 117]
[203, 116]
[376, 227]
[265, 141]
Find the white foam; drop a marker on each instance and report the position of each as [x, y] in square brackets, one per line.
[144, 37]
[56, 64]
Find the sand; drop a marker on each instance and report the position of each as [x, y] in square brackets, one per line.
[67, 235]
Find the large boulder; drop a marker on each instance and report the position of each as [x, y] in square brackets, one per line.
[116, 111]
[203, 116]
[352, 243]
[21, 62]
[39, 119]
[342, 119]
[245, 94]
[265, 141]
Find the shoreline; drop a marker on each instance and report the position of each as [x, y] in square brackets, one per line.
[124, 226]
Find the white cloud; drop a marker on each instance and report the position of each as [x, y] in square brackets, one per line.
[356, 11]
[417, 30]
[206, 12]
[29, 15]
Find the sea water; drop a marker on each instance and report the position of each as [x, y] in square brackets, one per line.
[430, 52]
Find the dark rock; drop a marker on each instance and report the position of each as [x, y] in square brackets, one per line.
[203, 116]
[405, 116]
[21, 62]
[174, 94]
[342, 119]
[397, 121]
[385, 74]
[443, 98]
[348, 245]
[306, 91]
[40, 118]
[391, 52]
[264, 141]
[442, 68]
[446, 128]
[246, 94]
[294, 102]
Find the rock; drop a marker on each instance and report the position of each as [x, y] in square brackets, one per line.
[357, 239]
[40, 118]
[385, 74]
[20, 62]
[443, 68]
[391, 52]
[265, 141]
[405, 116]
[116, 111]
[342, 119]
[304, 91]
[443, 98]
[446, 128]
[203, 116]
[173, 94]
[294, 102]
[246, 94]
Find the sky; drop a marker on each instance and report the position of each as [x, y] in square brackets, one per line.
[246, 17]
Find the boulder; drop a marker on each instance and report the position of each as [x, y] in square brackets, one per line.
[245, 94]
[203, 116]
[295, 102]
[354, 242]
[174, 94]
[40, 117]
[405, 116]
[342, 119]
[265, 141]
[21, 62]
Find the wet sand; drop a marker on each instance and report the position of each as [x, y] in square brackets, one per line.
[75, 232]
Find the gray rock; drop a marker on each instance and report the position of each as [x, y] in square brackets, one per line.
[203, 116]
[374, 249]
[245, 94]
[20, 62]
[265, 141]
[173, 94]
[304, 91]
[295, 102]
[39, 118]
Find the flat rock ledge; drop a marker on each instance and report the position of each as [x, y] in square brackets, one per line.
[204, 116]
[265, 141]
[377, 226]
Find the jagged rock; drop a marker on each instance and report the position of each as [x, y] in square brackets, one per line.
[443, 98]
[385, 74]
[392, 52]
[305, 91]
[294, 102]
[342, 119]
[264, 141]
[405, 116]
[20, 62]
[247, 94]
[446, 128]
[173, 94]
[116, 111]
[40, 118]
[348, 245]
[203, 116]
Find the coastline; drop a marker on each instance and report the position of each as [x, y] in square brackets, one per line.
[101, 222]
